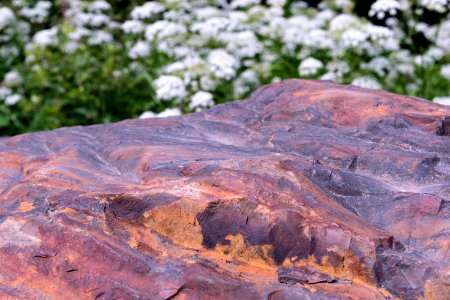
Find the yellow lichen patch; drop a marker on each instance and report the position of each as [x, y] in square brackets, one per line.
[349, 267]
[68, 210]
[26, 206]
[149, 242]
[133, 242]
[238, 249]
[350, 270]
[178, 222]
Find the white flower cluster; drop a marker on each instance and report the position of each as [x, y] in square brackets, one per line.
[366, 82]
[445, 71]
[37, 14]
[7, 17]
[168, 112]
[310, 66]
[89, 23]
[198, 51]
[383, 8]
[436, 5]
[46, 37]
[442, 100]
[146, 11]
[10, 80]
[170, 88]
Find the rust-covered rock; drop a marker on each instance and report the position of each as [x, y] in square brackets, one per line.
[307, 190]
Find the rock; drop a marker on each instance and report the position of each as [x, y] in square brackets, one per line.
[307, 190]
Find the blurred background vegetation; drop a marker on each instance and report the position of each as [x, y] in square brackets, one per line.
[65, 63]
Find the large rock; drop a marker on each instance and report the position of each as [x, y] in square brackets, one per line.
[308, 190]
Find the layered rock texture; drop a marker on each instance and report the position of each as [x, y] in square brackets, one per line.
[307, 190]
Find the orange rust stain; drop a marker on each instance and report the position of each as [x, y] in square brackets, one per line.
[178, 222]
[26, 206]
[255, 255]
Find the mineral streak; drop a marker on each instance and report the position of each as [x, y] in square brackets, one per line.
[307, 190]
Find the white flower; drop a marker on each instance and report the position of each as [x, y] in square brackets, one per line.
[318, 39]
[70, 47]
[211, 28]
[4, 92]
[382, 7]
[445, 71]
[222, 64]
[46, 37]
[325, 16]
[183, 51]
[435, 5]
[382, 36]
[412, 87]
[12, 99]
[343, 21]
[12, 78]
[201, 99]
[430, 57]
[309, 66]
[242, 44]
[353, 38]
[169, 87]
[343, 4]
[24, 27]
[207, 83]
[330, 76]
[148, 10]
[147, 115]
[243, 3]
[338, 67]
[380, 65]
[7, 52]
[163, 29]
[39, 13]
[91, 19]
[44, 4]
[435, 53]
[99, 5]
[443, 35]
[78, 33]
[205, 13]
[100, 37]
[237, 20]
[177, 16]
[442, 100]
[140, 49]
[405, 68]
[169, 112]
[278, 3]
[6, 17]
[366, 82]
[246, 82]
[133, 26]
[189, 62]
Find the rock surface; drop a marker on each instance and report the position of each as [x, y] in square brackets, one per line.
[308, 190]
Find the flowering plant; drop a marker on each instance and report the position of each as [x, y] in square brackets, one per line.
[82, 62]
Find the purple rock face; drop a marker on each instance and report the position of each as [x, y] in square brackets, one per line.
[307, 190]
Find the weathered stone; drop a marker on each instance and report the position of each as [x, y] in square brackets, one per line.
[308, 190]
